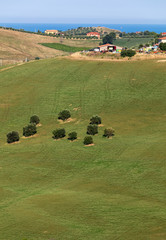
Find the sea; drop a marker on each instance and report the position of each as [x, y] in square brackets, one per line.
[34, 27]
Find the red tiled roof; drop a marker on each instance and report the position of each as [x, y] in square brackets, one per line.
[51, 31]
[94, 33]
[163, 38]
[164, 33]
[107, 44]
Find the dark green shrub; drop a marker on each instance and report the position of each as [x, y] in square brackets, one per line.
[95, 120]
[128, 53]
[29, 130]
[12, 137]
[72, 136]
[92, 129]
[59, 133]
[37, 58]
[34, 119]
[64, 115]
[141, 46]
[88, 140]
[109, 132]
[162, 46]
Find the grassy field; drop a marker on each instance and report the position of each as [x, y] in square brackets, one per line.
[65, 48]
[54, 190]
[132, 42]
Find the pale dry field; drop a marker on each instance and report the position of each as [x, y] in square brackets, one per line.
[16, 46]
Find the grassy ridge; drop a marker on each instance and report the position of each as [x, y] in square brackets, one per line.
[65, 48]
[62, 190]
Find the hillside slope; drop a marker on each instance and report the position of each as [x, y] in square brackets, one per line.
[16, 45]
[62, 190]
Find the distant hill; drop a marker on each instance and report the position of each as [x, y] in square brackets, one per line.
[82, 31]
[106, 30]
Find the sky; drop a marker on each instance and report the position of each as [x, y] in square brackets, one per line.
[83, 11]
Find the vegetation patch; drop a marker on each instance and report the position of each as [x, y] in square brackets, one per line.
[64, 115]
[65, 48]
[92, 129]
[132, 42]
[29, 130]
[72, 136]
[13, 137]
[128, 53]
[59, 133]
[88, 140]
[34, 119]
[95, 120]
[109, 132]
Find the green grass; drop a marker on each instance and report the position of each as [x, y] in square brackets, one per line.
[132, 42]
[65, 48]
[62, 190]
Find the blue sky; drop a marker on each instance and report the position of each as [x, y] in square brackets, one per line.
[84, 11]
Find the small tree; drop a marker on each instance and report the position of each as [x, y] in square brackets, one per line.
[35, 119]
[109, 38]
[92, 129]
[109, 132]
[29, 130]
[162, 46]
[95, 120]
[141, 46]
[13, 137]
[64, 115]
[72, 136]
[59, 133]
[88, 140]
[128, 53]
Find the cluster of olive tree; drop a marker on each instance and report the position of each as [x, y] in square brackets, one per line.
[61, 132]
[92, 129]
[28, 130]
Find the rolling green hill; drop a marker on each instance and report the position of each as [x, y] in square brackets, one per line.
[63, 190]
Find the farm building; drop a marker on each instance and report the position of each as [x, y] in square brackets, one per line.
[51, 32]
[109, 48]
[162, 40]
[93, 34]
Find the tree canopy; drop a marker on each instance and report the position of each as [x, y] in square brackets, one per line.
[109, 38]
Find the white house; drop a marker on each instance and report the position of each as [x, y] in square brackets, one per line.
[162, 40]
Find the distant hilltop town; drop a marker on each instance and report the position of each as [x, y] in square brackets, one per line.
[87, 32]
